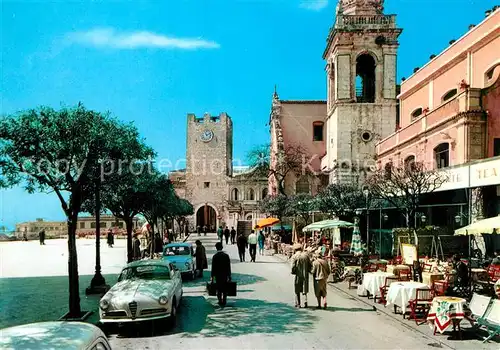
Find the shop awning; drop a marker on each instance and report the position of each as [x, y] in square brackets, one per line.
[266, 222]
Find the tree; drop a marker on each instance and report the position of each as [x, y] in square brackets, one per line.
[182, 208]
[291, 160]
[341, 199]
[277, 206]
[45, 149]
[303, 205]
[403, 186]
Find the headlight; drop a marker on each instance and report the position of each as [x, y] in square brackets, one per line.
[104, 304]
[163, 300]
[188, 264]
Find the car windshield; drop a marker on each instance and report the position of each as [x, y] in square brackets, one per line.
[177, 250]
[148, 272]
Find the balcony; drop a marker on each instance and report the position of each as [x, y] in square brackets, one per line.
[365, 22]
[445, 113]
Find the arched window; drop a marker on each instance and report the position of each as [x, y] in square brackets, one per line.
[302, 185]
[449, 95]
[410, 163]
[442, 155]
[235, 194]
[250, 195]
[264, 193]
[416, 113]
[490, 74]
[318, 131]
[365, 79]
[248, 217]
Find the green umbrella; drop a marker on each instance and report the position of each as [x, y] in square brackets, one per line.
[356, 247]
[326, 224]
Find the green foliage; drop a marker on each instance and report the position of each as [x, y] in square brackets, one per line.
[341, 199]
[302, 205]
[277, 206]
[259, 159]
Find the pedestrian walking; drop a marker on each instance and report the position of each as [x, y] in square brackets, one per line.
[136, 250]
[261, 239]
[41, 236]
[205, 230]
[158, 248]
[111, 239]
[25, 234]
[220, 233]
[233, 235]
[252, 242]
[201, 258]
[241, 243]
[320, 272]
[198, 230]
[301, 267]
[226, 235]
[221, 272]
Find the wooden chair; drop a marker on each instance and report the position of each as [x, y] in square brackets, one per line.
[372, 268]
[385, 288]
[382, 267]
[421, 305]
[491, 320]
[440, 287]
[486, 286]
[405, 275]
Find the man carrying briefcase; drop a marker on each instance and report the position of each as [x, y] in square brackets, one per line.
[221, 272]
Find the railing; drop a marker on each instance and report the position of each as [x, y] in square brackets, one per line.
[380, 20]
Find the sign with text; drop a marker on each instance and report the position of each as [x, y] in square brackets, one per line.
[485, 174]
[409, 253]
[456, 178]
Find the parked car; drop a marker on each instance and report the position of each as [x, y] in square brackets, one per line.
[146, 290]
[54, 335]
[181, 256]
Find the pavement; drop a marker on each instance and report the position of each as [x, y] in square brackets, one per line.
[262, 316]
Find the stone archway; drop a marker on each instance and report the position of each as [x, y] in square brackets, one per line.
[206, 215]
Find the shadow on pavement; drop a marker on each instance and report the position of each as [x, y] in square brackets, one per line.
[241, 279]
[247, 316]
[37, 299]
[353, 309]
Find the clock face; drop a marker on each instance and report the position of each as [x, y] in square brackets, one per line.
[207, 136]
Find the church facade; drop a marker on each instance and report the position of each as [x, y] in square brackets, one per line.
[221, 194]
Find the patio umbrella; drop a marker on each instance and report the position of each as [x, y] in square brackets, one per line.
[356, 247]
[481, 226]
[326, 224]
[266, 222]
[295, 238]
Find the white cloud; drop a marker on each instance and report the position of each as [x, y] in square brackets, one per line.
[110, 38]
[314, 5]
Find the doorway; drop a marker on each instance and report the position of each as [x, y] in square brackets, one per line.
[206, 215]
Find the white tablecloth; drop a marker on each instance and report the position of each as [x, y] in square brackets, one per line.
[400, 293]
[372, 281]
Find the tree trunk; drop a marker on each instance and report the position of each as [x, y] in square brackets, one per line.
[74, 285]
[129, 225]
[152, 238]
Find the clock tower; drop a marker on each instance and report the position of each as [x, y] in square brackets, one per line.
[209, 165]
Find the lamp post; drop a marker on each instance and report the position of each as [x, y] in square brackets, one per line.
[366, 192]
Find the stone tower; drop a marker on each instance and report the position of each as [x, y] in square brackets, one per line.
[361, 54]
[209, 162]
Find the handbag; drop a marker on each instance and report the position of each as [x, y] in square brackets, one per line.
[211, 289]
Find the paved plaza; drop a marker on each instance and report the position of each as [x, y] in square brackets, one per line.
[34, 288]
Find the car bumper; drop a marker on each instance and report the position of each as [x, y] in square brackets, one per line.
[131, 320]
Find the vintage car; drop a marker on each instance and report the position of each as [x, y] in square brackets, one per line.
[181, 255]
[54, 335]
[146, 290]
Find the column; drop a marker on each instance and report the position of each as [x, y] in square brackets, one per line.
[477, 204]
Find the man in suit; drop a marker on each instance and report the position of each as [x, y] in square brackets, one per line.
[221, 271]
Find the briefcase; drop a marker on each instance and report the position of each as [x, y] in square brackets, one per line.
[211, 289]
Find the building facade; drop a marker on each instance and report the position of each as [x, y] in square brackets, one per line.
[450, 120]
[219, 193]
[59, 228]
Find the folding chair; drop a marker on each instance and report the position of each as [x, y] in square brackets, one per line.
[440, 287]
[477, 306]
[385, 288]
[421, 305]
[405, 275]
[491, 320]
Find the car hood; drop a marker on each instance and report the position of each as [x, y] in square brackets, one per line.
[138, 290]
[178, 259]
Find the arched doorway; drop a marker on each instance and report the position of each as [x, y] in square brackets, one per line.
[206, 215]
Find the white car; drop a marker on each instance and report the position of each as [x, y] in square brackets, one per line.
[54, 335]
[146, 290]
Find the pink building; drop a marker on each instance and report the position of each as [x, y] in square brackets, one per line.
[449, 118]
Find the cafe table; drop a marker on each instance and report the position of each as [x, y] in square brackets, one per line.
[400, 293]
[372, 281]
[429, 277]
[394, 269]
[446, 312]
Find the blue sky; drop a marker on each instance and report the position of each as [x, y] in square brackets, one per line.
[152, 62]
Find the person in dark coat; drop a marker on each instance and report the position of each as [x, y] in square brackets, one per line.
[233, 235]
[158, 244]
[227, 234]
[111, 239]
[221, 272]
[136, 250]
[241, 242]
[41, 236]
[201, 258]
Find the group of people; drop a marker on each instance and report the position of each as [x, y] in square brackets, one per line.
[305, 262]
[251, 243]
[225, 233]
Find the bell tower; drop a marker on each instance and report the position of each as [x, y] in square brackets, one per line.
[360, 56]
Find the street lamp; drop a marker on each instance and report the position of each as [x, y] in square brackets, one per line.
[386, 217]
[366, 192]
[423, 218]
